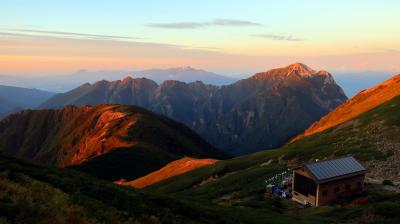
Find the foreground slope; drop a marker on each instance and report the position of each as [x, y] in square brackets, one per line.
[361, 103]
[371, 137]
[110, 141]
[38, 194]
[260, 112]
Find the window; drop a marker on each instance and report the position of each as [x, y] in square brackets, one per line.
[348, 186]
[337, 189]
[324, 192]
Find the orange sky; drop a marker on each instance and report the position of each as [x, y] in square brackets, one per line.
[47, 55]
[55, 37]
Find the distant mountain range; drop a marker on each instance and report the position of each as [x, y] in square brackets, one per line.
[108, 141]
[13, 99]
[351, 82]
[63, 83]
[252, 114]
[185, 74]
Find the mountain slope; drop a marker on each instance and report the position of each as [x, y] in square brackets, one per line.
[13, 99]
[371, 137]
[139, 91]
[7, 107]
[261, 112]
[362, 102]
[172, 169]
[240, 182]
[110, 141]
[23, 97]
[37, 194]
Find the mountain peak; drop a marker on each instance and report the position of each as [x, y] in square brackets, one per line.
[181, 69]
[324, 72]
[294, 70]
[300, 69]
[298, 65]
[127, 79]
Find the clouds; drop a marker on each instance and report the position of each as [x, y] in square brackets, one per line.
[181, 25]
[20, 32]
[39, 54]
[233, 22]
[225, 23]
[195, 25]
[34, 54]
[278, 37]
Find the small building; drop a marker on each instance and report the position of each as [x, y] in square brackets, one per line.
[322, 183]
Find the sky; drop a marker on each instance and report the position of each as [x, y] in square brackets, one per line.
[225, 36]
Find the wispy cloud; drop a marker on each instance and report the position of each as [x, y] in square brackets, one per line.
[234, 22]
[391, 51]
[206, 48]
[195, 25]
[278, 37]
[27, 26]
[70, 34]
[182, 25]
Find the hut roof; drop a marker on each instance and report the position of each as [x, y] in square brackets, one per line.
[328, 170]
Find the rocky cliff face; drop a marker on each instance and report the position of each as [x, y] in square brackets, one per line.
[257, 113]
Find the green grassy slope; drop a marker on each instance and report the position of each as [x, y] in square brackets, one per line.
[371, 137]
[37, 194]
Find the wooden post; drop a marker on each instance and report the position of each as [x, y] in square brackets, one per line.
[293, 183]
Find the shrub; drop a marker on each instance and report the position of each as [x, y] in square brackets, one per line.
[388, 209]
[387, 183]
